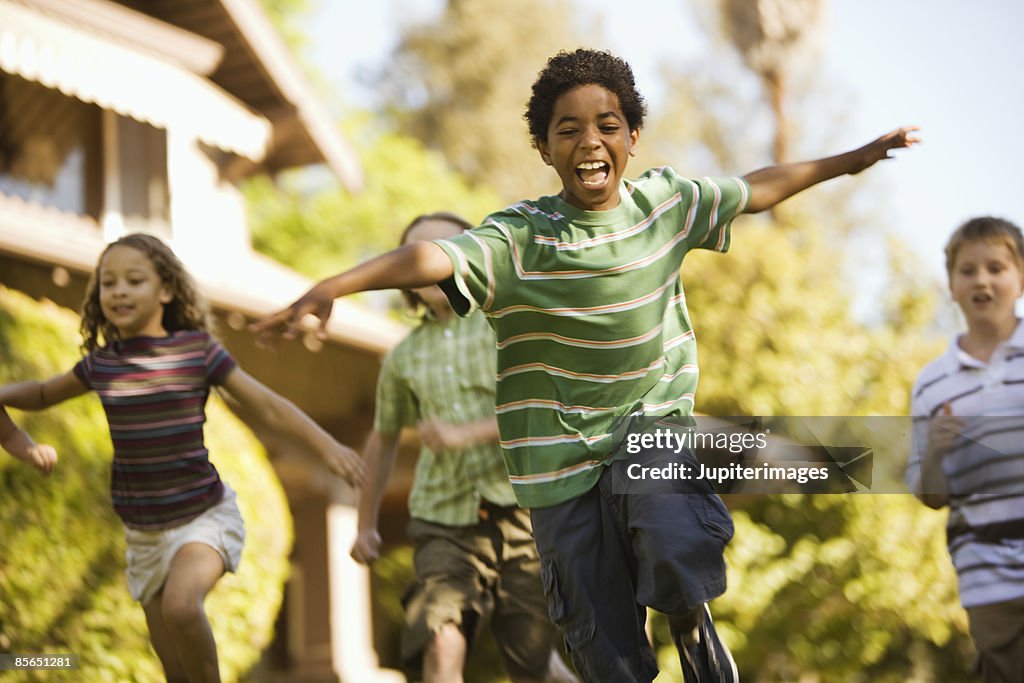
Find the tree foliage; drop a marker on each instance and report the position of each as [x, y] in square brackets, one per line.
[772, 36]
[62, 586]
[823, 587]
[460, 82]
[322, 232]
[287, 15]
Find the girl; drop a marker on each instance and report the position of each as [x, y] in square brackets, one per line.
[153, 374]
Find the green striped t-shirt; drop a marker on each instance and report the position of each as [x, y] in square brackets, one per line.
[445, 371]
[590, 319]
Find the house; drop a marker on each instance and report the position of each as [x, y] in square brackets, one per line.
[120, 116]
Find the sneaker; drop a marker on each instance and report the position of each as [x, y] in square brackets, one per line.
[707, 660]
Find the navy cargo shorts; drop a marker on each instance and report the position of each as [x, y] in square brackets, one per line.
[624, 546]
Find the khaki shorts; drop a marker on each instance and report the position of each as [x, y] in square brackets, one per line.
[149, 553]
[469, 575]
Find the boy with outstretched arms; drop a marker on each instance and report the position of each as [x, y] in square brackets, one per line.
[582, 289]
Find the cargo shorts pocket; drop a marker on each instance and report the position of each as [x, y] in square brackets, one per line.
[575, 619]
[713, 515]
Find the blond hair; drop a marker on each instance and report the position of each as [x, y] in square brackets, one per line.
[986, 229]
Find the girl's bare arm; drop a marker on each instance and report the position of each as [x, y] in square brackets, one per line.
[20, 445]
[278, 414]
[39, 395]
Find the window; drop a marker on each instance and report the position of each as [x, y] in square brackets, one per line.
[142, 173]
[49, 148]
[59, 152]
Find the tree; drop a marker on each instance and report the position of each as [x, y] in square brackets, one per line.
[286, 16]
[403, 180]
[460, 83]
[772, 35]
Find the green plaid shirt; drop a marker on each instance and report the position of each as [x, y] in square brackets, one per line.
[445, 371]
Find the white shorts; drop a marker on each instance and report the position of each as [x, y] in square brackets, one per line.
[149, 553]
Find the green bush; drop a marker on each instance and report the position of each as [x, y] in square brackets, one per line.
[62, 586]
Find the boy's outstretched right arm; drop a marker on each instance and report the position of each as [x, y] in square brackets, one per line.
[414, 265]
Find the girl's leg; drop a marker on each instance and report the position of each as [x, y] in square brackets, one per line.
[194, 571]
[162, 641]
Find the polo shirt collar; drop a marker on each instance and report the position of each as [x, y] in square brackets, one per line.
[957, 358]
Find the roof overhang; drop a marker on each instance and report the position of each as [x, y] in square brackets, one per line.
[248, 284]
[305, 108]
[50, 43]
[261, 71]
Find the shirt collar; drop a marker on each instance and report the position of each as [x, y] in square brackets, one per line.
[1016, 340]
[957, 358]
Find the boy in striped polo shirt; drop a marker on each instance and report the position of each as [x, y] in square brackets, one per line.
[975, 464]
[582, 289]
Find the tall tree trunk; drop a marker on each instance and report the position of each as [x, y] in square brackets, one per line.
[775, 81]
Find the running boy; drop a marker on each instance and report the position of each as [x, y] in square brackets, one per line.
[475, 558]
[975, 464]
[582, 289]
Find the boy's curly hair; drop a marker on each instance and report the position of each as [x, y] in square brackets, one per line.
[986, 229]
[568, 70]
[186, 311]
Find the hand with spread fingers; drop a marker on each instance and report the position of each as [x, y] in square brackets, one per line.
[879, 148]
[287, 323]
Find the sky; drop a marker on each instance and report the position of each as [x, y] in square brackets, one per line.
[949, 66]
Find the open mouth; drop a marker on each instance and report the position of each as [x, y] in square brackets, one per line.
[593, 172]
[981, 298]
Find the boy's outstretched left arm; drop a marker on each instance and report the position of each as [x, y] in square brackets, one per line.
[280, 416]
[771, 185]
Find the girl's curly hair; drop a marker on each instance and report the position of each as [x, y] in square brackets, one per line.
[187, 309]
[568, 70]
